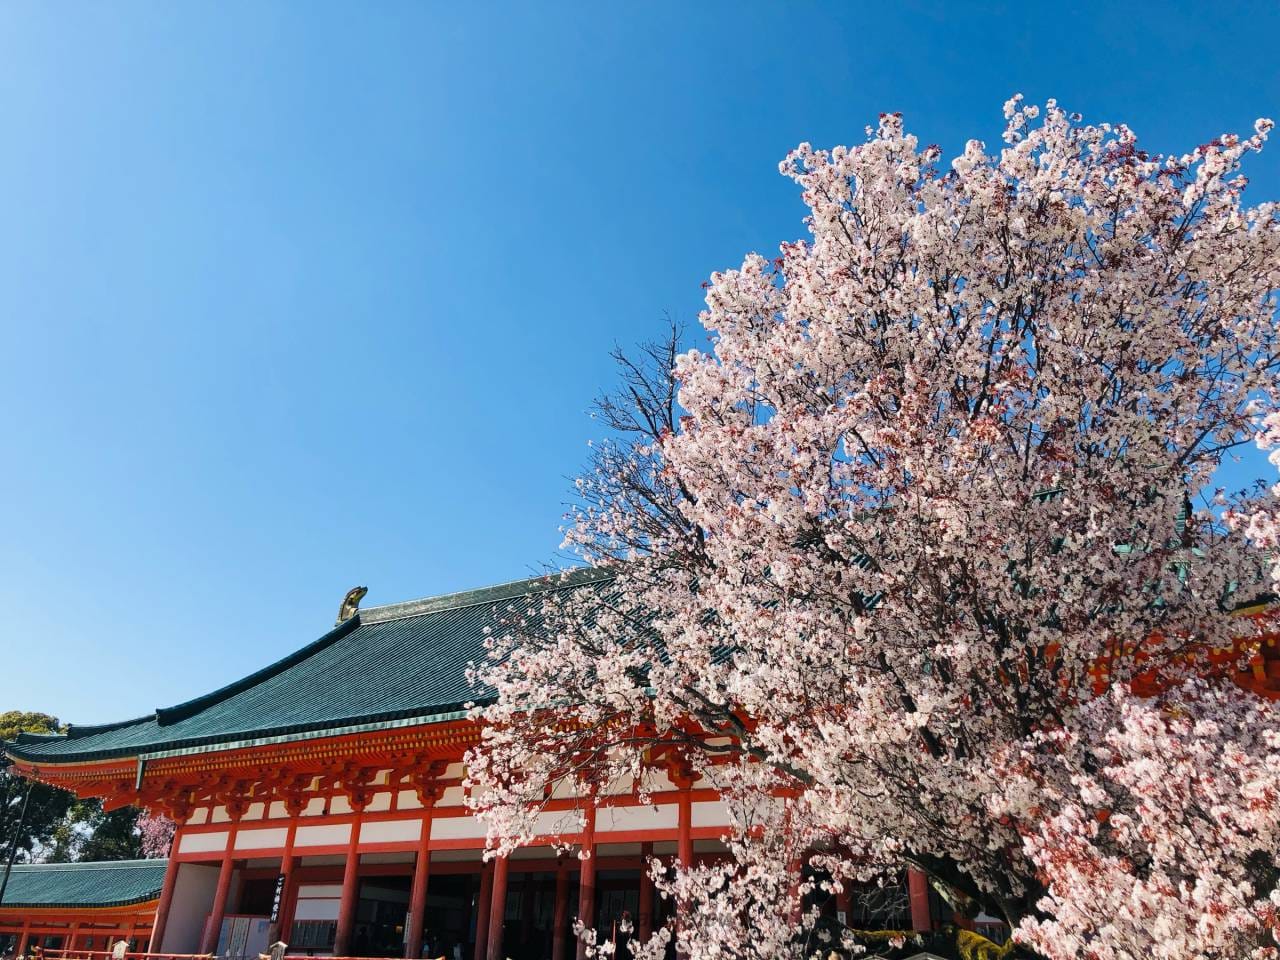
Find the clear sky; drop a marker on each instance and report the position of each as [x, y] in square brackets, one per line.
[297, 296]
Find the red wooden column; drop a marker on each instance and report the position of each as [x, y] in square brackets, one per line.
[918, 891]
[684, 850]
[560, 919]
[71, 937]
[418, 893]
[166, 897]
[844, 902]
[644, 922]
[286, 874]
[213, 926]
[587, 879]
[482, 912]
[23, 938]
[682, 776]
[350, 890]
[498, 908]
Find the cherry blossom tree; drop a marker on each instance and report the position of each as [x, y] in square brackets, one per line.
[921, 562]
[157, 833]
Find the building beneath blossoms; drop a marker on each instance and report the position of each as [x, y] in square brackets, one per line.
[320, 801]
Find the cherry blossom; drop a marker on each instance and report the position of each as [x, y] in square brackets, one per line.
[922, 562]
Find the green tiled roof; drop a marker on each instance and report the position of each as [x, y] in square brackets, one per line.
[390, 663]
[112, 884]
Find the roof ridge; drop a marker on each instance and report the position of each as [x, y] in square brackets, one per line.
[543, 583]
[82, 865]
[452, 622]
[167, 715]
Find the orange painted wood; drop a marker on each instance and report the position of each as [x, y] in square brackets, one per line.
[418, 893]
[350, 883]
[645, 919]
[587, 880]
[918, 892]
[497, 909]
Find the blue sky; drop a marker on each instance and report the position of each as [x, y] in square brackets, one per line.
[297, 296]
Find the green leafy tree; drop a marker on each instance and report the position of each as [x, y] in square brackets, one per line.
[48, 806]
[58, 827]
[87, 832]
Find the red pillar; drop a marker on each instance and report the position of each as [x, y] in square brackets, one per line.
[166, 898]
[684, 845]
[286, 885]
[350, 888]
[482, 912]
[644, 922]
[844, 902]
[796, 869]
[23, 938]
[918, 890]
[418, 893]
[684, 853]
[498, 908]
[561, 918]
[213, 926]
[587, 880]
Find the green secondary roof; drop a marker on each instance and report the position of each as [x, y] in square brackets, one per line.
[403, 662]
[111, 884]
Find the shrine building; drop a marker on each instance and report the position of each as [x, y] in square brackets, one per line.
[319, 801]
[81, 906]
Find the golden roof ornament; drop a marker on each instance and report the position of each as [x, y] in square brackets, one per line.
[350, 604]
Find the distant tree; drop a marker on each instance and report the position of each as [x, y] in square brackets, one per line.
[48, 806]
[87, 832]
[59, 828]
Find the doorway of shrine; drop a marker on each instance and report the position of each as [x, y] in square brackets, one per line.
[529, 919]
[382, 915]
[617, 909]
[381, 909]
[452, 905]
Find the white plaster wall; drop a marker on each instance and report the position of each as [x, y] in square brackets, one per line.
[193, 892]
[713, 813]
[648, 817]
[452, 797]
[390, 831]
[261, 839]
[202, 843]
[555, 823]
[456, 828]
[322, 836]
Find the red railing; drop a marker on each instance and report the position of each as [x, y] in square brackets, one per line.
[52, 954]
